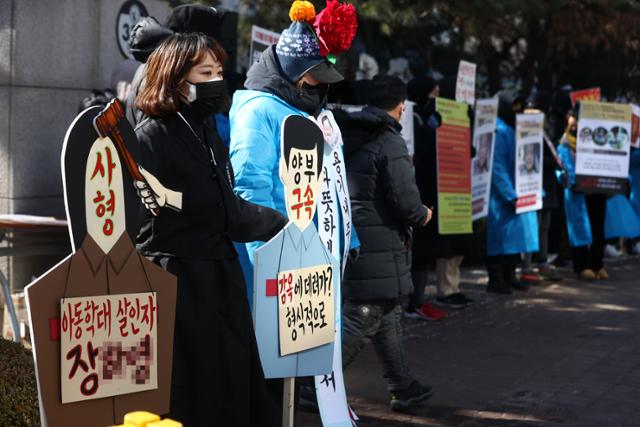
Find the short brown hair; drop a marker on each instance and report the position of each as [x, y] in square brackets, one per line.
[167, 68]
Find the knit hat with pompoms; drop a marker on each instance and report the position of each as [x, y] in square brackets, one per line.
[312, 41]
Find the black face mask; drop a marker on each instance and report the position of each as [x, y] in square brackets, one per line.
[208, 97]
[312, 98]
[573, 132]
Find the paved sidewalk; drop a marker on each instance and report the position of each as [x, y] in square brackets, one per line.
[565, 353]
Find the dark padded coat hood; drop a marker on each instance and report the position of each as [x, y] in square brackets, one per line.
[363, 126]
[195, 18]
[148, 33]
[145, 37]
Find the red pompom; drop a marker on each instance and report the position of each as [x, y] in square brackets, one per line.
[336, 27]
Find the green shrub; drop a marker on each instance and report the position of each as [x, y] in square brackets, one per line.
[18, 390]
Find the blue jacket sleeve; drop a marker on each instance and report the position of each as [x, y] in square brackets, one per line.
[568, 162]
[502, 179]
[355, 242]
[253, 154]
[635, 157]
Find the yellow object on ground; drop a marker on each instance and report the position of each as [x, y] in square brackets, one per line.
[165, 423]
[140, 419]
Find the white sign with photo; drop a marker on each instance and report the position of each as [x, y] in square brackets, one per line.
[603, 146]
[528, 167]
[482, 164]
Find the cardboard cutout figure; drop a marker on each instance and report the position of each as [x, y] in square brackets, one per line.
[295, 275]
[102, 319]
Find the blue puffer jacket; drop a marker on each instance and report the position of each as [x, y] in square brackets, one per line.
[256, 117]
[507, 232]
[575, 205]
[255, 146]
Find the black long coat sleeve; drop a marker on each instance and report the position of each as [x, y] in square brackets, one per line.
[212, 216]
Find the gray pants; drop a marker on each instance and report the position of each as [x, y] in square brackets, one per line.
[448, 273]
[379, 322]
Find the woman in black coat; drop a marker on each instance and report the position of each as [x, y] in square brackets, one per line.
[429, 245]
[192, 218]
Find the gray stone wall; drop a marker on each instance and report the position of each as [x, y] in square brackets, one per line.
[52, 53]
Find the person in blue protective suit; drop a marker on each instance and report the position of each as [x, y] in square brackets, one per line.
[508, 233]
[621, 220]
[634, 176]
[585, 213]
[282, 83]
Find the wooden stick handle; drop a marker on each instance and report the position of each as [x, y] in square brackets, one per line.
[106, 124]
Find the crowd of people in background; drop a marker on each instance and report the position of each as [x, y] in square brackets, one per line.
[394, 196]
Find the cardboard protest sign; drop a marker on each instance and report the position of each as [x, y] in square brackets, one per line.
[453, 152]
[261, 39]
[406, 121]
[297, 248]
[528, 167]
[330, 388]
[305, 305]
[80, 378]
[603, 146]
[334, 210]
[592, 94]
[118, 336]
[482, 164]
[335, 204]
[466, 83]
[635, 125]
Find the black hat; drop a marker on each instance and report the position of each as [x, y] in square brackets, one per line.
[146, 36]
[419, 88]
[195, 18]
